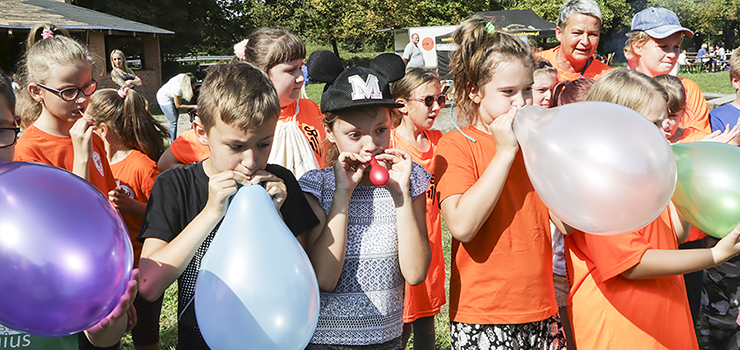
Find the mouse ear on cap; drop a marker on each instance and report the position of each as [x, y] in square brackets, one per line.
[389, 65]
[324, 66]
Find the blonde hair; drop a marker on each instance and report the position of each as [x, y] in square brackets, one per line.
[414, 77]
[628, 88]
[130, 119]
[239, 94]
[268, 47]
[123, 57]
[637, 37]
[479, 54]
[675, 90]
[186, 85]
[735, 67]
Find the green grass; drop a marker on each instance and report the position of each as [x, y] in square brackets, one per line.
[717, 82]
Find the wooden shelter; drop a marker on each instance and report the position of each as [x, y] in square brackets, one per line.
[101, 32]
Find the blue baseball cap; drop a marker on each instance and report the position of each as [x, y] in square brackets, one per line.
[659, 23]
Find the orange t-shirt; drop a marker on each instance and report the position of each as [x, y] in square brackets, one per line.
[38, 146]
[426, 299]
[311, 122]
[504, 274]
[697, 113]
[609, 311]
[187, 149]
[135, 174]
[595, 70]
[692, 134]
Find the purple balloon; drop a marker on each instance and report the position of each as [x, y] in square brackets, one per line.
[65, 253]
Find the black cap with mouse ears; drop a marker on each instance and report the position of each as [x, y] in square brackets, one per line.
[355, 86]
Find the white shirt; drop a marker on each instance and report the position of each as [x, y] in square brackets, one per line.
[412, 53]
[166, 94]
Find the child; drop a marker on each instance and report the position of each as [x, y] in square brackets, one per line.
[501, 289]
[109, 330]
[133, 138]
[565, 92]
[238, 110]
[627, 292]
[280, 55]
[59, 76]
[674, 131]
[545, 77]
[421, 93]
[655, 42]
[728, 113]
[372, 238]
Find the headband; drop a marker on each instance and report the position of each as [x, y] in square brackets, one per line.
[47, 34]
[122, 92]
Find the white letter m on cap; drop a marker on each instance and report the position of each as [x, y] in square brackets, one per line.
[362, 90]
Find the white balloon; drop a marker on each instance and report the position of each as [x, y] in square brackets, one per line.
[600, 167]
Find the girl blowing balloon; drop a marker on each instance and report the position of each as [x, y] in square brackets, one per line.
[420, 93]
[133, 139]
[633, 280]
[110, 329]
[501, 289]
[370, 238]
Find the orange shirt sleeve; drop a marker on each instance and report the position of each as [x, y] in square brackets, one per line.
[697, 113]
[613, 255]
[187, 149]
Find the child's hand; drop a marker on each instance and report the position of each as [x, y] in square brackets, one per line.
[348, 170]
[400, 172]
[220, 188]
[503, 132]
[727, 247]
[728, 136]
[119, 198]
[274, 185]
[123, 308]
[81, 134]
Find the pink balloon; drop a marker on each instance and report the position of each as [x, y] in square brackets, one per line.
[600, 167]
[64, 250]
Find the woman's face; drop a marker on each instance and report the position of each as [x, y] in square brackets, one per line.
[658, 56]
[117, 60]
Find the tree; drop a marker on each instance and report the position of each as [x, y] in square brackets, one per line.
[718, 20]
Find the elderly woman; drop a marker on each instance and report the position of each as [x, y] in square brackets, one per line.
[578, 29]
[120, 73]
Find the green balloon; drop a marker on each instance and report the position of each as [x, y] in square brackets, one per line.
[708, 189]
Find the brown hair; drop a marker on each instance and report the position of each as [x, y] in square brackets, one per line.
[676, 92]
[268, 47]
[565, 92]
[6, 91]
[415, 77]
[542, 65]
[478, 55]
[130, 119]
[628, 88]
[239, 94]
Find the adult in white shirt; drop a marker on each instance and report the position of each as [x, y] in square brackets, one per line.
[171, 95]
[412, 55]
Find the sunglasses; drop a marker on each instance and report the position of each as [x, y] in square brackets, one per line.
[8, 136]
[70, 94]
[429, 100]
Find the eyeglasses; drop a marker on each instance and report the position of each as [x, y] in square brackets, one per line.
[70, 94]
[8, 136]
[429, 99]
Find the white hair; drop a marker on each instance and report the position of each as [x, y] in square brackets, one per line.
[584, 7]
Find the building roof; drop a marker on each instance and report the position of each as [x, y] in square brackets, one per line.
[24, 14]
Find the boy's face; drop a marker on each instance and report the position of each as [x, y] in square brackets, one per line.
[541, 93]
[233, 149]
[288, 79]
[7, 120]
[658, 56]
[365, 132]
[670, 124]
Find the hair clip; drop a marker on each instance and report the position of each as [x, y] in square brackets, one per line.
[47, 34]
[490, 28]
[544, 64]
[122, 92]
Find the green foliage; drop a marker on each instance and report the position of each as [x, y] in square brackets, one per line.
[713, 20]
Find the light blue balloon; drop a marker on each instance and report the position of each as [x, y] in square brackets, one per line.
[256, 288]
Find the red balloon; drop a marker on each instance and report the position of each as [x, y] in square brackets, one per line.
[378, 174]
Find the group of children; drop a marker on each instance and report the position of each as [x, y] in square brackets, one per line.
[377, 250]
